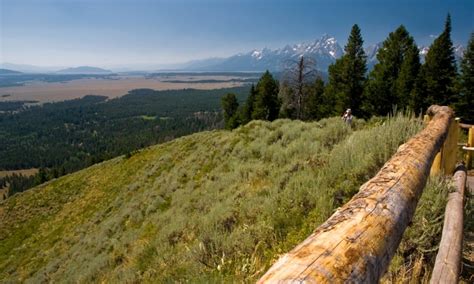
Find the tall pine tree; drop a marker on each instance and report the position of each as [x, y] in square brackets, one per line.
[267, 105]
[392, 81]
[229, 106]
[347, 75]
[334, 90]
[314, 101]
[465, 105]
[405, 85]
[439, 69]
[249, 106]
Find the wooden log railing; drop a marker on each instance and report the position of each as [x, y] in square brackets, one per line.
[445, 160]
[448, 260]
[357, 242]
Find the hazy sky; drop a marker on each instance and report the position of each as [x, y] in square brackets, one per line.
[115, 32]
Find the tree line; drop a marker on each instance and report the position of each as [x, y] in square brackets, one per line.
[399, 80]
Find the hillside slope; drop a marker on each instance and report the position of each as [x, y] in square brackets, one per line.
[213, 205]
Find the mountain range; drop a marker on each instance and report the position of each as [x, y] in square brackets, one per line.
[84, 70]
[8, 72]
[324, 51]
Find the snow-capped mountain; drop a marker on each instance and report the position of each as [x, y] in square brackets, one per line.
[458, 52]
[423, 51]
[371, 53]
[324, 51]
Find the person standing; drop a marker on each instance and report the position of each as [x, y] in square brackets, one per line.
[347, 116]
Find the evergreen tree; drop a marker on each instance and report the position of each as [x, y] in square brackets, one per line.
[41, 176]
[405, 85]
[465, 105]
[392, 81]
[440, 69]
[347, 75]
[313, 106]
[266, 105]
[418, 102]
[248, 108]
[230, 106]
[334, 92]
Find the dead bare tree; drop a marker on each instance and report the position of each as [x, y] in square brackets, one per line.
[298, 74]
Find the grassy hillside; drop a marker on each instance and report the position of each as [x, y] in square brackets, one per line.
[213, 205]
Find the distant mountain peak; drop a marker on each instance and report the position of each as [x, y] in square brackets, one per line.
[458, 51]
[8, 72]
[84, 70]
[372, 50]
[324, 50]
[257, 54]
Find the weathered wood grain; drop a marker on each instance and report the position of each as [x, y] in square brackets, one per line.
[448, 260]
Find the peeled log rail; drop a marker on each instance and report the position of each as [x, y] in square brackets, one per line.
[465, 126]
[357, 242]
[448, 260]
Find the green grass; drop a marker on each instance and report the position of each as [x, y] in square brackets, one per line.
[415, 257]
[147, 117]
[213, 206]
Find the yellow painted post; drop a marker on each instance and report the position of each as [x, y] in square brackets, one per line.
[450, 147]
[436, 166]
[470, 143]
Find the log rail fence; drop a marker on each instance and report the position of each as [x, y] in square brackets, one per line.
[357, 243]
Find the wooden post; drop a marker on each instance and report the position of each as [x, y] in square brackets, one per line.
[436, 166]
[470, 143]
[445, 160]
[450, 147]
[357, 242]
[448, 260]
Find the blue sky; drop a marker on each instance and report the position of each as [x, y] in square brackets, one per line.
[107, 32]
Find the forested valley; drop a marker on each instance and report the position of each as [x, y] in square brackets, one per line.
[60, 138]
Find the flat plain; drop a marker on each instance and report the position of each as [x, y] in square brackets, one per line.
[25, 172]
[115, 86]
